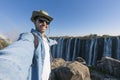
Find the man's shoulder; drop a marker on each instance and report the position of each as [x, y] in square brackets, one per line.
[26, 35]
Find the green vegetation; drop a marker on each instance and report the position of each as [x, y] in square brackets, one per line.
[3, 44]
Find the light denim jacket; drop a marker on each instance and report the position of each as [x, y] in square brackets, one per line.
[16, 59]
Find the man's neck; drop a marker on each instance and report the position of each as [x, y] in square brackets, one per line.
[42, 34]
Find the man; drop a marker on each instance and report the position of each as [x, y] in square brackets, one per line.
[23, 60]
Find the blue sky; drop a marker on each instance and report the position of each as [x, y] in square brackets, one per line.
[71, 17]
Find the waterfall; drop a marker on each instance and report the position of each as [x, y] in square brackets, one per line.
[68, 45]
[94, 58]
[89, 46]
[118, 49]
[74, 50]
[91, 54]
[53, 50]
[59, 48]
[78, 48]
[107, 47]
[91, 49]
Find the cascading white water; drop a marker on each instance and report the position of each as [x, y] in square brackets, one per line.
[68, 49]
[60, 48]
[78, 48]
[118, 49]
[74, 50]
[54, 50]
[90, 49]
[94, 55]
[107, 47]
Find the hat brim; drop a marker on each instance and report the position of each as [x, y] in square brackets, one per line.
[35, 14]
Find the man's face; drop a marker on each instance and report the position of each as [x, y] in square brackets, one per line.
[41, 24]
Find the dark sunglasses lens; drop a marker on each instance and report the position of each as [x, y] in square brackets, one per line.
[47, 22]
[43, 20]
[40, 20]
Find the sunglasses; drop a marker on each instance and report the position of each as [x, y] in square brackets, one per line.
[41, 20]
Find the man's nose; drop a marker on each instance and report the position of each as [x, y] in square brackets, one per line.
[44, 22]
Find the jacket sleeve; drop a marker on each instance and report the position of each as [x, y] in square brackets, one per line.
[20, 52]
[52, 42]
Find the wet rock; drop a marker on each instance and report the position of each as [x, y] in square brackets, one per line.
[81, 60]
[110, 65]
[67, 70]
[57, 62]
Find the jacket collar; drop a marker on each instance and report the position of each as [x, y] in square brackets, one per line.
[38, 34]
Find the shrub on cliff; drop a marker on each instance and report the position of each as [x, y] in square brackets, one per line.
[4, 41]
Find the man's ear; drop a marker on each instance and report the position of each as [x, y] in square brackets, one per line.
[34, 23]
